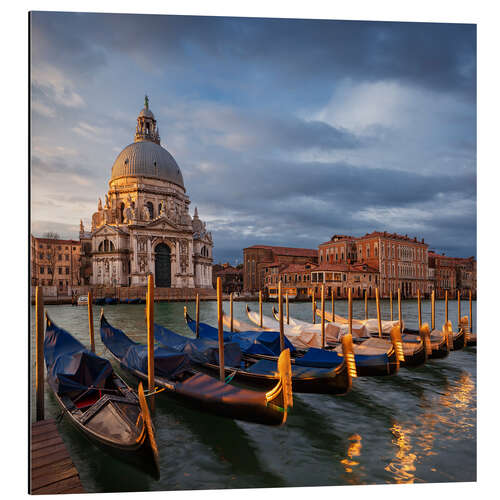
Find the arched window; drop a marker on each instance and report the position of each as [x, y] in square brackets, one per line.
[111, 246]
[101, 246]
[151, 209]
[159, 208]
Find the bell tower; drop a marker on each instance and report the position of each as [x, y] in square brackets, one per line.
[146, 129]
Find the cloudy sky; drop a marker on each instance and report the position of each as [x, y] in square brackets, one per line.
[286, 131]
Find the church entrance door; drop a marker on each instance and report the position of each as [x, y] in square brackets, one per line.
[162, 266]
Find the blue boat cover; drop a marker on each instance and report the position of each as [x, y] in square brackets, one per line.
[168, 363]
[268, 367]
[267, 343]
[71, 367]
[199, 350]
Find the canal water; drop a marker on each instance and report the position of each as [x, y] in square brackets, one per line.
[413, 427]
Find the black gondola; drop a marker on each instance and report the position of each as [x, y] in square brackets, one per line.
[262, 372]
[96, 400]
[175, 373]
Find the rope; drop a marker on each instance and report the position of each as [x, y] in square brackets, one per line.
[230, 377]
[156, 390]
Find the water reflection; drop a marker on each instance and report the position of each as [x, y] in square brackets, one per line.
[447, 418]
[350, 465]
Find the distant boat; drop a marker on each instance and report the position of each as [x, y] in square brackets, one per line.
[82, 300]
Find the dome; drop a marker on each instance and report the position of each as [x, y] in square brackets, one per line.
[147, 112]
[147, 159]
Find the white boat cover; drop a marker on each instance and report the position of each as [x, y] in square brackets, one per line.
[370, 325]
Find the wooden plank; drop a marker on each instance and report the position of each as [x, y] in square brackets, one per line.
[60, 487]
[43, 423]
[52, 468]
[55, 476]
[47, 442]
[46, 433]
[47, 451]
[49, 458]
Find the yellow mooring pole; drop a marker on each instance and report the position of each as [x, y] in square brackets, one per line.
[333, 306]
[287, 309]
[150, 319]
[313, 307]
[231, 311]
[379, 319]
[260, 308]
[446, 306]
[280, 307]
[349, 307]
[390, 300]
[459, 310]
[197, 316]
[433, 310]
[221, 329]
[91, 321]
[366, 303]
[323, 339]
[40, 337]
[400, 312]
[419, 303]
[470, 311]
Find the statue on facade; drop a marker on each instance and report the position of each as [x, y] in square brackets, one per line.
[99, 205]
[82, 229]
[106, 204]
[163, 208]
[145, 213]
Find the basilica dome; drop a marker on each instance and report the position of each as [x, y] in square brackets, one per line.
[147, 159]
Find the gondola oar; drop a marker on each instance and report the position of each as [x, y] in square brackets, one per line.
[146, 417]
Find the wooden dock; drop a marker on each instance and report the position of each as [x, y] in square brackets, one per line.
[52, 471]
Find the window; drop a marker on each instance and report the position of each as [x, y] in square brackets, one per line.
[67, 270]
[150, 208]
[49, 270]
[59, 270]
[59, 257]
[42, 270]
[66, 257]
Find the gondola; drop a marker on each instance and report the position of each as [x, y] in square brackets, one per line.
[262, 372]
[266, 344]
[175, 373]
[415, 353]
[96, 400]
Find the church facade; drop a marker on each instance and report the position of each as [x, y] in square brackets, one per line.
[144, 226]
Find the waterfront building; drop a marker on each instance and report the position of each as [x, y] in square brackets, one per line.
[258, 259]
[399, 261]
[452, 274]
[231, 277]
[56, 263]
[144, 226]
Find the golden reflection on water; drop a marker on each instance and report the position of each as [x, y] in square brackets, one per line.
[449, 417]
[349, 463]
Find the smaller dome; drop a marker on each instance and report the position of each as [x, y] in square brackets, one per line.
[146, 112]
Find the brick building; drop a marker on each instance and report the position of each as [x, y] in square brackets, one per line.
[452, 274]
[258, 258]
[299, 280]
[399, 261]
[231, 277]
[55, 262]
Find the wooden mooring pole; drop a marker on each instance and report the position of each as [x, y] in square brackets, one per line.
[231, 311]
[433, 310]
[40, 369]
[91, 320]
[446, 306]
[379, 319]
[260, 309]
[287, 309]
[470, 310]
[333, 306]
[150, 319]
[459, 309]
[314, 306]
[323, 337]
[419, 303]
[366, 303]
[400, 312]
[197, 316]
[280, 308]
[221, 330]
[390, 300]
[349, 308]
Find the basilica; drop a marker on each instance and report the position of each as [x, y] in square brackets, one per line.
[144, 227]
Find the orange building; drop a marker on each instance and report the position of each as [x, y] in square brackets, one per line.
[400, 261]
[257, 259]
[55, 262]
[452, 274]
